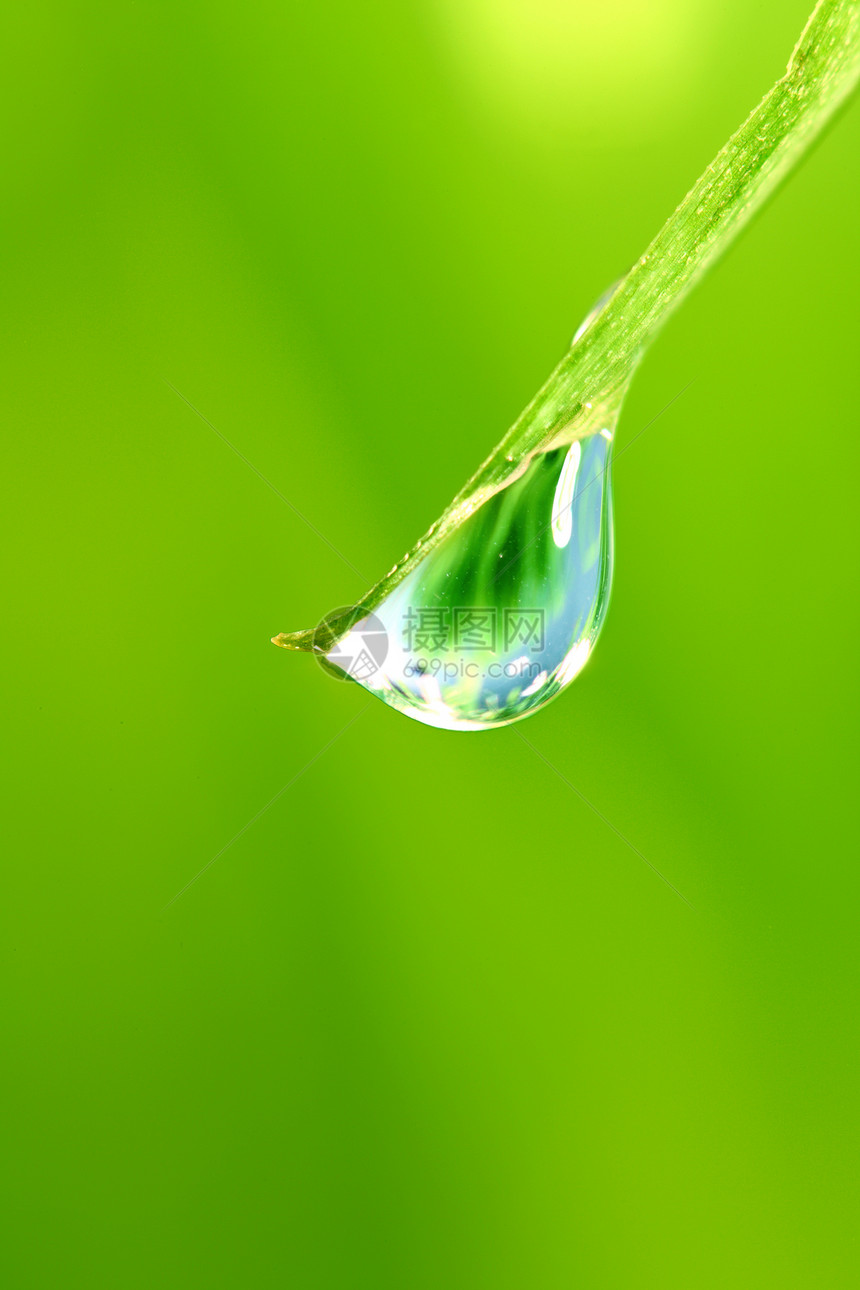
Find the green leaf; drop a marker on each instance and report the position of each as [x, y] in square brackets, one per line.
[590, 382]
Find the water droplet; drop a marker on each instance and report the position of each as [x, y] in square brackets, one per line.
[502, 615]
[596, 309]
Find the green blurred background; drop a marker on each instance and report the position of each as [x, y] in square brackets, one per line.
[428, 1022]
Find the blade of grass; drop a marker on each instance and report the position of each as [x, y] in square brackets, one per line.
[591, 379]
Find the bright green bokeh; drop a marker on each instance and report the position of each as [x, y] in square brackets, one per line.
[429, 1022]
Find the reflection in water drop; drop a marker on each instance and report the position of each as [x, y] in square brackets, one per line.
[502, 615]
[562, 518]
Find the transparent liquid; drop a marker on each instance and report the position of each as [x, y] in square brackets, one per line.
[502, 615]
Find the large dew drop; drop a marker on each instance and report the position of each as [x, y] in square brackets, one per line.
[502, 615]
